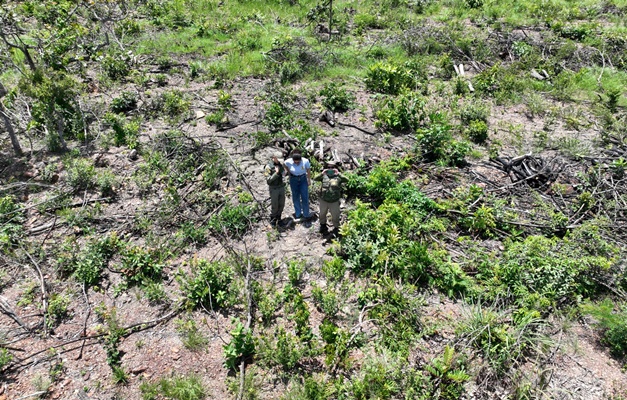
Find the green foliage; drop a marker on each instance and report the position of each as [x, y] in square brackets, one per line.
[391, 78]
[279, 112]
[612, 320]
[117, 66]
[477, 131]
[502, 341]
[232, 220]
[209, 285]
[176, 388]
[55, 107]
[141, 266]
[240, 348]
[173, 104]
[11, 220]
[543, 273]
[396, 310]
[81, 173]
[290, 58]
[285, 350]
[191, 336]
[336, 98]
[403, 113]
[125, 132]
[113, 333]
[5, 358]
[326, 301]
[125, 102]
[474, 111]
[57, 309]
[88, 264]
[448, 374]
[436, 143]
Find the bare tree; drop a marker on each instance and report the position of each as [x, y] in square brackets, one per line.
[7, 123]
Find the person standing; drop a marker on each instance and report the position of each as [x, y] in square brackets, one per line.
[299, 170]
[330, 194]
[274, 173]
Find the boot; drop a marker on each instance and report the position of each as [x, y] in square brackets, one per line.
[324, 229]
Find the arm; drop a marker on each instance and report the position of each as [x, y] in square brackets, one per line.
[273, 175]
[318, 177]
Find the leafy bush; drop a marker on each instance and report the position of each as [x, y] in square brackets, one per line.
[474, 111]
[125, 131]
[389, 78]
[477, 131]
[291, 58]
[396, 311]
[612, 319]
[543, 273]
[57, 308]
[88, 264]
[240, 348]
[209, 285]
[117, 66]
[127, 101]
[141, 266]
[5, 358]
[403, 113]
[284, 349]
[436, 143]
[337, 99]
[279, 112]
[232, 220]
[502, 341]
[81, 173]
[11, 219]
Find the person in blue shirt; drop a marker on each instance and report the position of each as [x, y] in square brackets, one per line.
[299, 170]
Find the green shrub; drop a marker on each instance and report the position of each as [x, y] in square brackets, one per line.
[612, 319]
[141, 266]
[81, 173]
[284, 350]
[125, 131]
[336, 98]
[503, 342]
[117, 66]
[402, 113]
[175, 104]
[5, 358]
[127, 101]
[232, 220]
[176, 388]
[209, 285]
[389, 78]
[436, 143]
[543, 273]
[240, 348]
[477, 131]
[57, 308]
[474, 111]
[279, 112]
[107, 183]
[88, 264]
[11, 220]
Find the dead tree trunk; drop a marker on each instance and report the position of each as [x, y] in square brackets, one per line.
[7, 124]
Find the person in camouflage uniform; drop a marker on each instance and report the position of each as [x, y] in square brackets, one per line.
[274, 173]
[330, 195]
